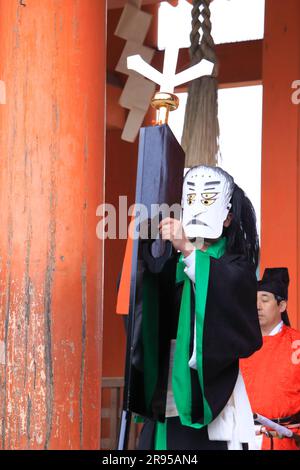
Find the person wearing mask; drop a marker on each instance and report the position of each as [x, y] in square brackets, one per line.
[195, 396]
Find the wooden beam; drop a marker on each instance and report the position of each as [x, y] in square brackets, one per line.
[239, 62]
[112, 4]
[240, 65]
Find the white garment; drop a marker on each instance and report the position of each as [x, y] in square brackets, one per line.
[190, 262]
[190, 271]
[259, 437]
[235, 422]
[171, 409]
[277, 329]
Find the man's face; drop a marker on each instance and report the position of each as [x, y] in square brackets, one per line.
[269, 312]
[205, 203]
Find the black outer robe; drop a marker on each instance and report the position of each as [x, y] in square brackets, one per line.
[231, 331]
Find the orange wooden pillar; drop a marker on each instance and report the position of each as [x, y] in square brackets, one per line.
[52, 60]
[280, 152]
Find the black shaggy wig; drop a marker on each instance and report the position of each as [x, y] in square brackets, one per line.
[242, 237]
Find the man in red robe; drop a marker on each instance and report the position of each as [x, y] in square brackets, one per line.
[272, 374]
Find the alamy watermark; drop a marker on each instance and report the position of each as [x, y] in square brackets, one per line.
[296, 353]
[113, 223]
[296, 94]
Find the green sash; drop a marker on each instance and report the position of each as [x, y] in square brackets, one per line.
[181, 379]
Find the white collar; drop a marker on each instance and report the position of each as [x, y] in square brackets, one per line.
[277, 329]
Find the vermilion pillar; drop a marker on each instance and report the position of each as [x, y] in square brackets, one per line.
[280, 154]
[52, 60]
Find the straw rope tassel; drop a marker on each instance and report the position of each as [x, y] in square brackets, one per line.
[200, 139]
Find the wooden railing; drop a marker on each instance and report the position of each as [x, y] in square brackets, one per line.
[112, 388]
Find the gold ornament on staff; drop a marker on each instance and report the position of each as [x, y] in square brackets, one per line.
[164, 103]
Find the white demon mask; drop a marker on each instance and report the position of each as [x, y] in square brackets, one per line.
[206, 201]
